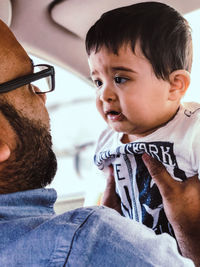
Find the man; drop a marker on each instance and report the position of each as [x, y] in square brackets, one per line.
[31, 234]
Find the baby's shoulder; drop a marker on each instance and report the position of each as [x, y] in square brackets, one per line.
[191, 110]
[106, 138]
[191, 113]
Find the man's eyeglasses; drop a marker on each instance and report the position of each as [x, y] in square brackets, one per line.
[43, 77]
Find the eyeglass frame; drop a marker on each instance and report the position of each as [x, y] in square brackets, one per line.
[27, 79]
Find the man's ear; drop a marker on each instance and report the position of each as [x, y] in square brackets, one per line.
[179, 83]
[4, 151]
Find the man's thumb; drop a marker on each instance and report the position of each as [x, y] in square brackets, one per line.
[154, 167]
[159, 174]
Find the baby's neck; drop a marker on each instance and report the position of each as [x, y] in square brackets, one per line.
[127, 138]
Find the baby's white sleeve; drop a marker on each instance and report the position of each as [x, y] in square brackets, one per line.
[195, 149]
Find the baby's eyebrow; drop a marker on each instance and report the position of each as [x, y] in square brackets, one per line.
[114, 69]
[123, 69]
[93, 73]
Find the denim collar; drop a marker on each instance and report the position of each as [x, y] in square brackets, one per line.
[37, 202]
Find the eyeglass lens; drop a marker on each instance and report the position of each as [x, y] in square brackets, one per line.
[43, 84]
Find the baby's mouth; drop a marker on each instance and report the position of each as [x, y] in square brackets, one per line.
[112, 112]
[114, 115]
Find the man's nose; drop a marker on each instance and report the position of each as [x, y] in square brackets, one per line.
[107, 94]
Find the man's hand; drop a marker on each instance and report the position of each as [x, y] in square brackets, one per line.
[110, 198]
[181, 202]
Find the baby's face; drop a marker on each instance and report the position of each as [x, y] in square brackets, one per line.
[129, 96]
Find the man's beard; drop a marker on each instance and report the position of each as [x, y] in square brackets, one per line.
[33, 163]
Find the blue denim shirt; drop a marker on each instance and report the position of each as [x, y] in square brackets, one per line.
[31, 234]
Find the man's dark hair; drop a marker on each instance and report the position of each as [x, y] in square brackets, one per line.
[163, 34]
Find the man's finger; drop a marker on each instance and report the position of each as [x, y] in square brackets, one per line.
[110, 198]
[110, 176]
[159, 174]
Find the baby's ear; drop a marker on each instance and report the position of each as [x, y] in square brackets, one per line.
[179, 83]
[4, 151]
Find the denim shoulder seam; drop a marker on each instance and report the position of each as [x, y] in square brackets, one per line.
[75, 235]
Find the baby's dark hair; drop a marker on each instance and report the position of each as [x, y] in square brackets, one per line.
[163, 34]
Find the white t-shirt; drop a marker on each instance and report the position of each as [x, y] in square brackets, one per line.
[176, 145]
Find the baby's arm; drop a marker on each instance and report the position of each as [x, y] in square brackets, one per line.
[181, 202]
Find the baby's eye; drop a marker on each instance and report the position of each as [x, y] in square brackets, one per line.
[120, 79]
[97, 83]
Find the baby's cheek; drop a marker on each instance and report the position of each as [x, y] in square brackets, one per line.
[99, 106]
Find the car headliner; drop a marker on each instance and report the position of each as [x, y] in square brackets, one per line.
[55, 30]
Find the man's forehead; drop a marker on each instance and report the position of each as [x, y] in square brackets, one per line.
[14, 60]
